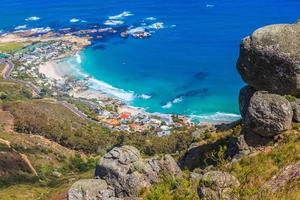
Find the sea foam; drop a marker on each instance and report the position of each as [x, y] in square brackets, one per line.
[209, 6]
[110, 90]
[151, 18]
[218, 117]
[121, 15]
[178, 100]
[78, 58]
[111, 22]
[156, 26]
[41, 30]
[145, 96]
[33, 18]
[72, 67]
[21, 27]
[167, 105]
[74, 20]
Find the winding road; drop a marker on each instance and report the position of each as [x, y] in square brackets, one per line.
[37, 90]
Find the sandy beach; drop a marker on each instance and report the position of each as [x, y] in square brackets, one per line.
[51, 70]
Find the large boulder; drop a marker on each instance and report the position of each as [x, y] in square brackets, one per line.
[295, 103]
[127, 172]
[267, 114]
[217, 185]
[244, 99]
[270, 59]
[91, 189]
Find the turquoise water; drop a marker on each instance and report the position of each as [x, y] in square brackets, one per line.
[188, 67]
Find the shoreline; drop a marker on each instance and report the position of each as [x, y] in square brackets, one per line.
[86, 87]
[52, 70]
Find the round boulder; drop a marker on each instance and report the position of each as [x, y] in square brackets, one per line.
[270, 59]
[268, 114]
[216, 185]
[128, 173]
[91, 189]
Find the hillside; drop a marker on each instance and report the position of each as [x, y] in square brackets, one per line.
[53, 147]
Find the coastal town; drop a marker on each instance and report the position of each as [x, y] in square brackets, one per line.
[36, 55]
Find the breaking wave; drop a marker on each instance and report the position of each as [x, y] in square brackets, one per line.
[33, 18]
[217, 117]
[167, 105]
[72, 67]
[21, 27]
[121, 15]
[74, 20]
[110, 90]
[144, 96]
[112, 22]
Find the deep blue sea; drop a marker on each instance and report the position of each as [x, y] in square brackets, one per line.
[187, 67]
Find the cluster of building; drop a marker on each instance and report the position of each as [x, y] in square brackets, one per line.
[137, 120]
[42, 52]
[110, 112]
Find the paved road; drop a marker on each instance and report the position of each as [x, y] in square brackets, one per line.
[6, 76]
[74, 109]
[37, 90]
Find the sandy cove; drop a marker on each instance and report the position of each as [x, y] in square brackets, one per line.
[52, 70]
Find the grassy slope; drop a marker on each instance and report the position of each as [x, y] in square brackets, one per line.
[46, 157]
[44, 117]
[54, 121]
[11, 46]
[252, 171]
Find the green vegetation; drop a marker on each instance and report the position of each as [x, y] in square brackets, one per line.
[171, 188]
[290, 98]
[11, 47]
[58, 166]
[84, 108]
[150, 144]
[254, 171]
[12, 91]
[55, 122]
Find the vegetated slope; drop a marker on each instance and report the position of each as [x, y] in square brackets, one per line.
[54, 121]
[253, 172]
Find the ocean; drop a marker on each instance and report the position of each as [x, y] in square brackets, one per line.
[186, 67]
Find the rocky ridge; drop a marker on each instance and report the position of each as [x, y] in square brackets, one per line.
[122, 173]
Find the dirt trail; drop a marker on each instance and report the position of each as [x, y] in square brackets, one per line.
[6, 121]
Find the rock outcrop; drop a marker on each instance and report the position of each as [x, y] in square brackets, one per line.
[296, 109]
[217, 185]
[123, 173]
[285, 176]
[269, 63]
[91, 189]
[267, 114]
[270, 59]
